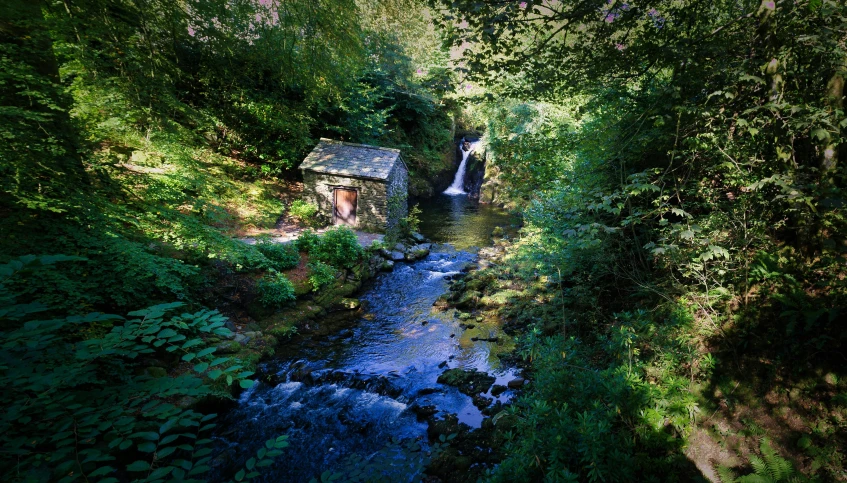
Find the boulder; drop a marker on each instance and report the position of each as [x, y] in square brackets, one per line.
[398, 256]
[399, 247]
[418, 237]
[470, 382]
[468, 300]
[497, 390]
[516, 383]
[387, 266]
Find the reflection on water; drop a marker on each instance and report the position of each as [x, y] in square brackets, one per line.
[462, 222]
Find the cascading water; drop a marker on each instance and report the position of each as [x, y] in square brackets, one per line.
[343, 393]
[458, 186]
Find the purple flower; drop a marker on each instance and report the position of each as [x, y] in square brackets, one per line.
[620, 46]
[652, 12]
[523, 5]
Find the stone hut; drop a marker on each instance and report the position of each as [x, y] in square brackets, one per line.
[364, 187]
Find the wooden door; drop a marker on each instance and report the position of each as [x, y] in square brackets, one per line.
[344, 212]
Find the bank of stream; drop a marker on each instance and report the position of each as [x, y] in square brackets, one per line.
[343, 393]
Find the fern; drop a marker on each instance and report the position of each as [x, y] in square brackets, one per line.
[770, 467]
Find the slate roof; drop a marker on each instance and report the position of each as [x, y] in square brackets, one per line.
[349, 159]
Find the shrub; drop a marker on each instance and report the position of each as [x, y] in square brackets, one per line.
[284, 255]
[307, 241]
[275, 290]
[338, 247]
[321, 275]
[411, 223]
[86, 408]
[303, 211]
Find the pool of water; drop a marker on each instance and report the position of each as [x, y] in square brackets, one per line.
[461, 221]
[350, 392]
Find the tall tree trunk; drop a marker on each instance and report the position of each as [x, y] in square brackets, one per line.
[835, 102]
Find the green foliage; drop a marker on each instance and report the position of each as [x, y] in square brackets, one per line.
[770, 467]
[607, 409]
[275, 290]
[321, 275]
[284, 255]
[338, 247]
[264, 457]
[411, 223]
[307, 241]
[92, 409]
[303, 211]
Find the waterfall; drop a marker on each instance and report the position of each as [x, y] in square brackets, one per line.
[457, 188]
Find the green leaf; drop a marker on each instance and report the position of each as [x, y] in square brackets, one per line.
[160, 472]
[164, 334]
[104, 470]
[201, 367]
[138, 466]
[251, 463]
[149, 435]
[246, 383]
[207, 351]
[147, 447]
[240, 475]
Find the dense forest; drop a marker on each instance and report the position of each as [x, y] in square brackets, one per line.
[675, 291]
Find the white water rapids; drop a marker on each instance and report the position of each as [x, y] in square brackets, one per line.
[457, 188]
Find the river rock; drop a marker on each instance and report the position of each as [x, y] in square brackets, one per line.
[387, 266]
[228, 347]
[398, 256]
[242, 339]
[516, 383]
[230, 325]
[418, 237]
[349, 303]
[385, 253]
[481, 401]
[399, 247]
[470, 382]
[423, 412]
[497, 390]
[468, 300]
[416, 253]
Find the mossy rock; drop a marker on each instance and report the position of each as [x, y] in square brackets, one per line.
[302, 288]
[470, 382]
[468, 300]
[480, 283]
[331, 296]
[293, 316]
[229, 347]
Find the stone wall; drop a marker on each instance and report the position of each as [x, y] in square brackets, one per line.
[397, 194]
[372, 199]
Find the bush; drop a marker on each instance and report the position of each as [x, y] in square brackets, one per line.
[275, 290]
[303, 211]
[411, 223]
[91, 404]
[338, 247]
[284, 255]
[307, 241]
[321, 275]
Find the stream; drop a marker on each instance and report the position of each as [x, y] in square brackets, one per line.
[345, 395]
